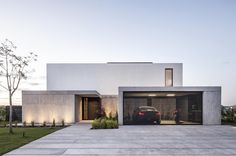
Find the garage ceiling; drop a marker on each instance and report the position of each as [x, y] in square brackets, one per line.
[158, 94]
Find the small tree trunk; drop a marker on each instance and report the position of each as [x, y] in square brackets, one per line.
[10, 113]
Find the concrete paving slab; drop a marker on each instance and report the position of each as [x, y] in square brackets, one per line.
[181, 140]
[32, 151]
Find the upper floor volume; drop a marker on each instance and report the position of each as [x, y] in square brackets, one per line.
[107, 77]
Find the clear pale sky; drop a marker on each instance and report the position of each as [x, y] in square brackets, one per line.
[199, 33]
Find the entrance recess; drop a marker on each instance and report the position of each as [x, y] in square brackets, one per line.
[90, 105]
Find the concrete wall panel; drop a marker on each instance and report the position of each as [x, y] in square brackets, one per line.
[109, 103]
[46, 107]
[211, 108]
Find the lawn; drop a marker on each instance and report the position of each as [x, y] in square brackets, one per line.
[9, 142]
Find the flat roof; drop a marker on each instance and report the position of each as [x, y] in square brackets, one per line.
[87, 93]
[169, 89]
[129, 62]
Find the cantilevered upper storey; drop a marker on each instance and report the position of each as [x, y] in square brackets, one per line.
[107, 77]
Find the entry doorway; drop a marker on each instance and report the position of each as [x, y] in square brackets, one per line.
[90, 105]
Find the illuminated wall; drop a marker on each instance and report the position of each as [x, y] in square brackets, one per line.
[40, 106]
[109, 103]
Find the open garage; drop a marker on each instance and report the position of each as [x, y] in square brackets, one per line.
[171, 107]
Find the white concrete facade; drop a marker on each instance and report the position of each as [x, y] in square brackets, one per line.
[68, 83]
[107, 77]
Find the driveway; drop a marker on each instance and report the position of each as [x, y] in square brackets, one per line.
[135, 140]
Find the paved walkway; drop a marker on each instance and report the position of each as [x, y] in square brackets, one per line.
[136, 140]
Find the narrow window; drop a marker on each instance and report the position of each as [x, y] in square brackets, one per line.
[169, 77]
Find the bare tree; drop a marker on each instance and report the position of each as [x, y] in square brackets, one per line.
[13, 68]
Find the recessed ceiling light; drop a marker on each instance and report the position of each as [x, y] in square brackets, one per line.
[151, 94]
[170, 94]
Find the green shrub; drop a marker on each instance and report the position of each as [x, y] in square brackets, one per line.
[32, 123]
[24, 123]
[53, 123]
[104, 123]
[100, 112]
[109, 124]
[110, 115]
[112, 124]
[115, 124]
[116, 116]
[4, 124]
[3, 113]
[15, 124]
[227, 114]
[62, 123]
[96, 124]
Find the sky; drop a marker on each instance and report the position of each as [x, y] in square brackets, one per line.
[201, 34]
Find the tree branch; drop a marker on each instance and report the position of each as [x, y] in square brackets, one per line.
[15, 88]
[7, 73]
[19, 78]
[3, 67]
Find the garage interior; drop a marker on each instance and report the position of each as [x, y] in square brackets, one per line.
[188, 105]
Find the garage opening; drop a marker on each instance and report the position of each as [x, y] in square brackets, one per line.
[182, 108]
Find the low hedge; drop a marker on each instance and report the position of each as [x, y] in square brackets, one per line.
[104, 123]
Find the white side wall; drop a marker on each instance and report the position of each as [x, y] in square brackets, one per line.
[106, 78]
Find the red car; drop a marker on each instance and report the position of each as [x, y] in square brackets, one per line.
[146, 114]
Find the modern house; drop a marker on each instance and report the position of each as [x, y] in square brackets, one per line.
[76, 91]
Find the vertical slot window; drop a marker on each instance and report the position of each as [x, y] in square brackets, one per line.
[168, 77]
